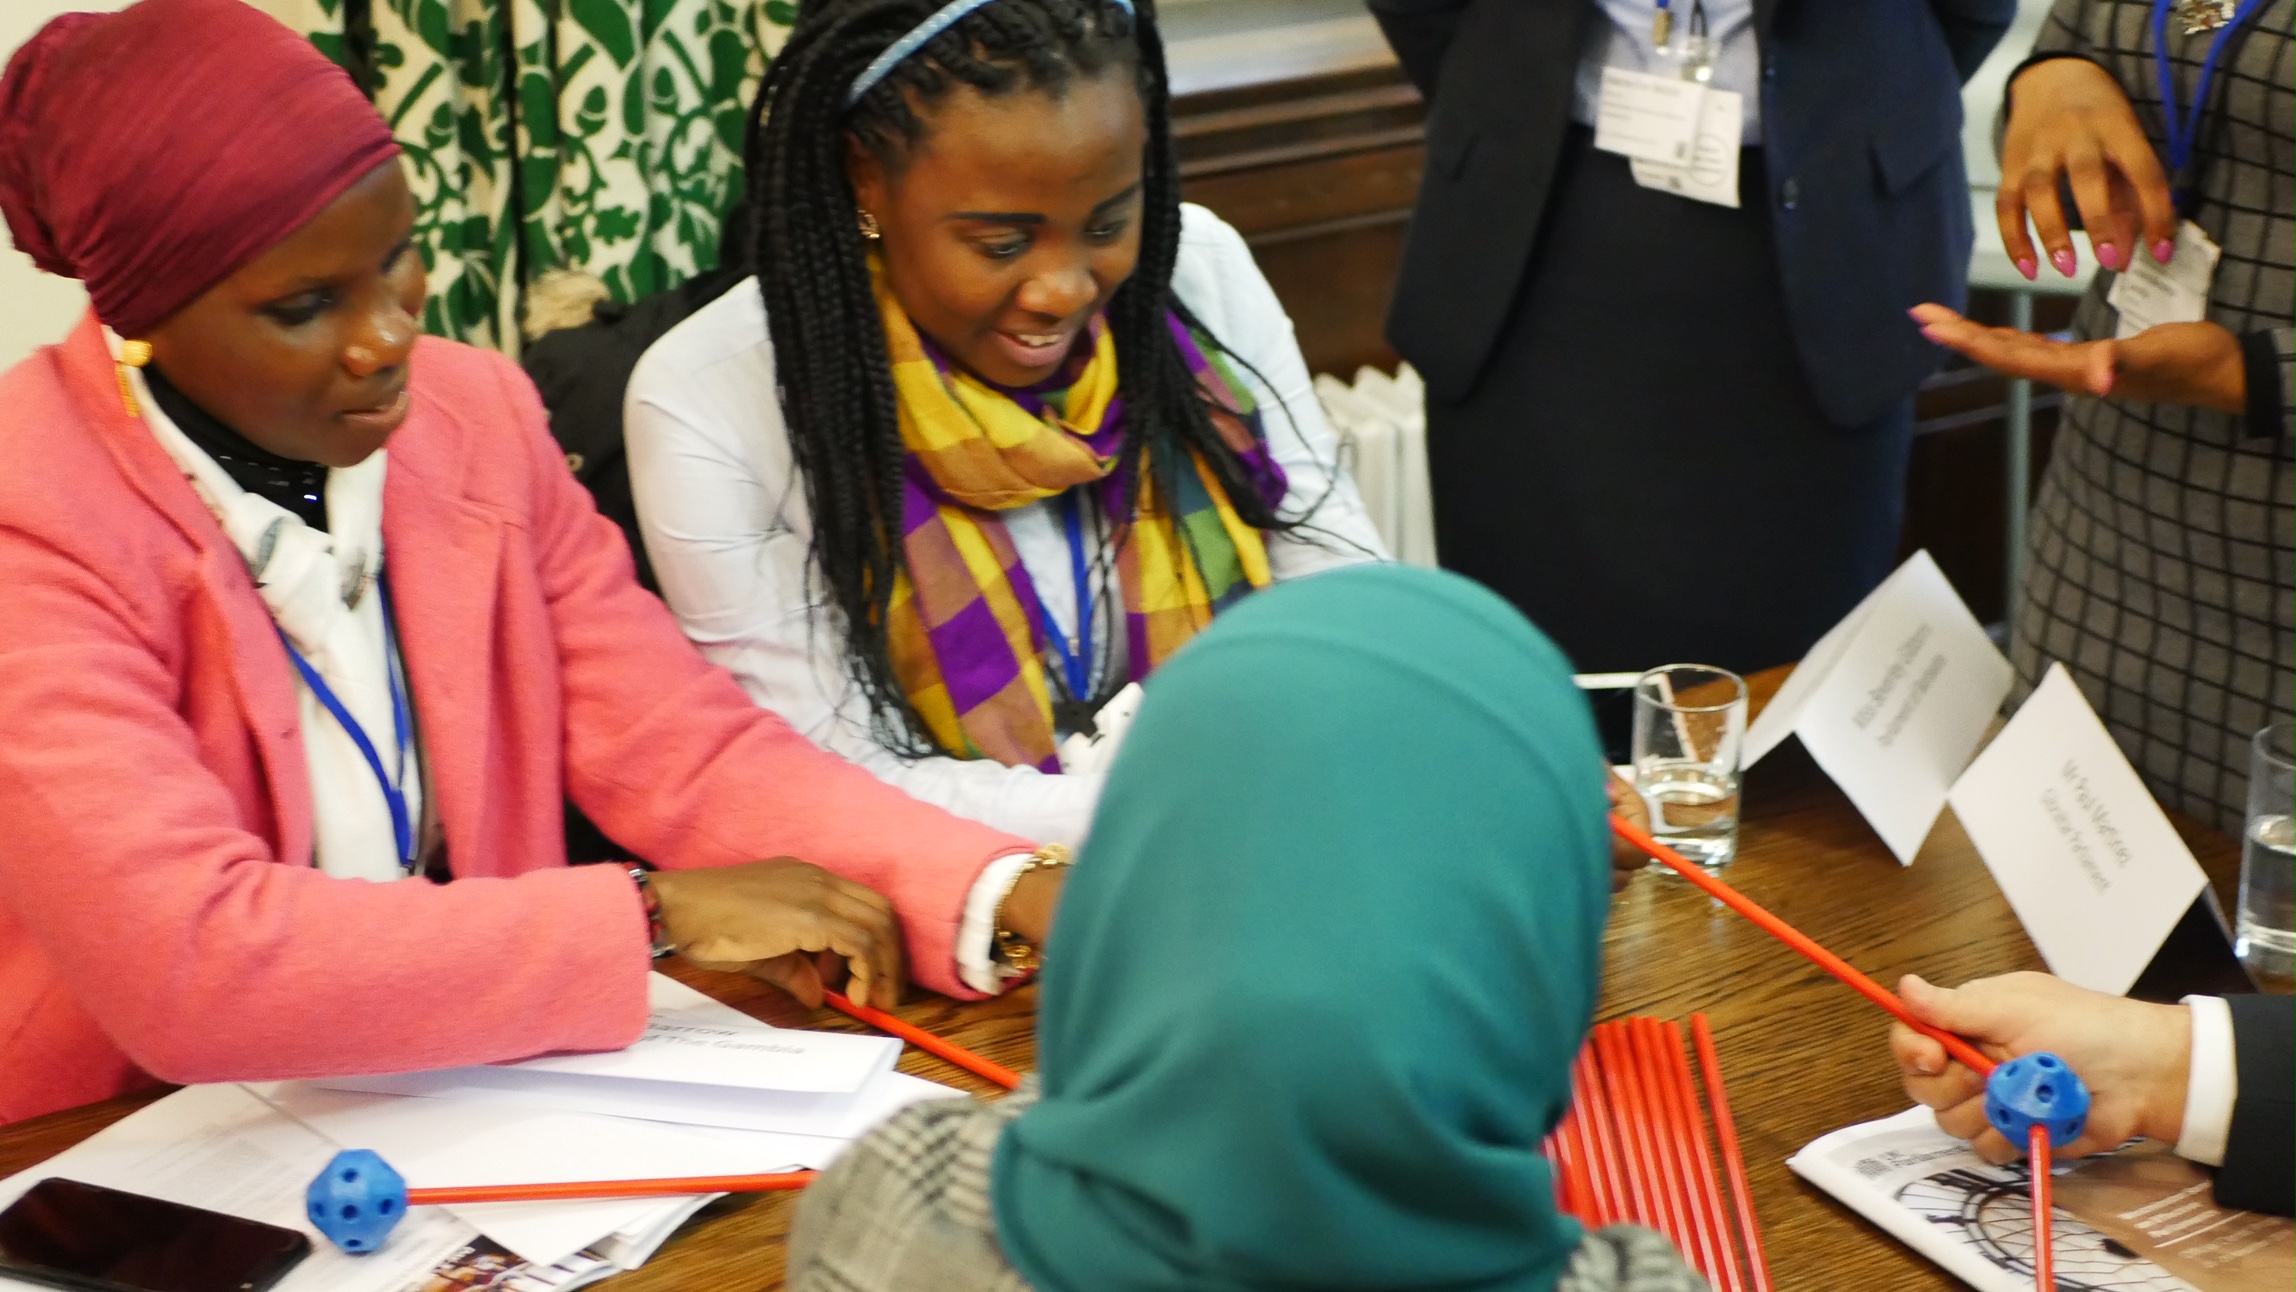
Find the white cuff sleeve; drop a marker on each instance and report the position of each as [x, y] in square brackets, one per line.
[976, 935]
[2213, 1083]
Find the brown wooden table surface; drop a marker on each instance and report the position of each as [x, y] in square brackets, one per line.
[1802, 1054]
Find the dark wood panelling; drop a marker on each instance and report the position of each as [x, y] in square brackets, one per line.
[1318, 172]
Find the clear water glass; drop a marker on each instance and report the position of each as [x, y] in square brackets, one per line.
[1689, 725]
[2266, 937]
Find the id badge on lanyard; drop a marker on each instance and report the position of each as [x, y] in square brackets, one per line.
[2148, 294]
[1677, 132]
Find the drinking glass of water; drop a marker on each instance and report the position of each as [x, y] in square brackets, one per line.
[2267, 936]
[1689, 721]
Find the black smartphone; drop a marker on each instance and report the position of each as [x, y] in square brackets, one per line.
[67, 1234]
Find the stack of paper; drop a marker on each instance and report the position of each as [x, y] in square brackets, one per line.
[706, 1091]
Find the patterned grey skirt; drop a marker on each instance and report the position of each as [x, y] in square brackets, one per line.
[2161, 569]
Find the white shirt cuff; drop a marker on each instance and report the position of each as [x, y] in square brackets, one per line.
[976, 935]
[2212, 1085]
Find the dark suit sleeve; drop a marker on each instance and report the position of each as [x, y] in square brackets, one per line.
[2258, 1149]
[1972, 28]
[1419, 31]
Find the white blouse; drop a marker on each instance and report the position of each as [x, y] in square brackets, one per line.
[726, 524]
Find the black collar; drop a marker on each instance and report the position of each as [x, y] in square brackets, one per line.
[300, 487]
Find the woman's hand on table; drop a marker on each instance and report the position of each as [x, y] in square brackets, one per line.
[788, 923]
[2133, 1056]
[1626, 860]
[2196, 364]
[2070, 118]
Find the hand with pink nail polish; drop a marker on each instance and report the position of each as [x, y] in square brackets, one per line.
[2069, 120]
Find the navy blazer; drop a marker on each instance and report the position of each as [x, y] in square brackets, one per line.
[1861, 127]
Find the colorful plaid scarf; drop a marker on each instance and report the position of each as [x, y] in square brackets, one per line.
[964, 622]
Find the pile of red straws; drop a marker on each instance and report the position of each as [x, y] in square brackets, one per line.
[1634, 1148]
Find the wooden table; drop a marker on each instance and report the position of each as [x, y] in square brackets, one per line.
[1802, 1054]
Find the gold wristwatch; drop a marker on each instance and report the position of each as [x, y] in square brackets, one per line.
[1009, 948]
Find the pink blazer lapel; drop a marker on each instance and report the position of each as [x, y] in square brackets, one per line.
[441, 558]
[259, 668]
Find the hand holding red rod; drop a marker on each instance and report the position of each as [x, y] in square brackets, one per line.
[2074, 1105]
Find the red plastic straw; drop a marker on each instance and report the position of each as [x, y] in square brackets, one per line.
[1709, 1190]
[1570, 1173]
[1643, 1206]
[1713, 1244]
[1726, 1133]
[1697, 1245]
[1656, 1104]
[1665, 1204]
[2044, 1273]
[1595, 1131]
[609, 1189]
[926, 1041]
[1792, 937]
[1593, 1208]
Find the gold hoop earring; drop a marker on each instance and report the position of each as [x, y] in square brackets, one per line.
[868, 224]
[133, 354]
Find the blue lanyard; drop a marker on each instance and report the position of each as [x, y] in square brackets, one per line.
[2184, 127]
[394, 791]
[1076, 661]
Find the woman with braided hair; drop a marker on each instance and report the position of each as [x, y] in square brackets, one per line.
[1001, 423]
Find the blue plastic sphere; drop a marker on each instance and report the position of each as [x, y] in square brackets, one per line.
[2036, 1090]
[357, 1200]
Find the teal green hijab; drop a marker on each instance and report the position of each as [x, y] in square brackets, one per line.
[1319, 976]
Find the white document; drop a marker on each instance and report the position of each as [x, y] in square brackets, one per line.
[2148, 294]
[1711, 174]
[837, 1117]
[1654, 118]
[2090, 863]
[1893, 701]
[437, 1143]
[692, 1039]
[221, 1148]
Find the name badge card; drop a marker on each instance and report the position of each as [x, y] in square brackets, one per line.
[1711, 175]
[1893, 701]
[2148, 294]
[1654, 118]
[2090, 863]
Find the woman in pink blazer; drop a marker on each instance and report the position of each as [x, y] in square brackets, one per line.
[175, 838]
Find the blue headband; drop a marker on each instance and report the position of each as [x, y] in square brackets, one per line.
[946, 17]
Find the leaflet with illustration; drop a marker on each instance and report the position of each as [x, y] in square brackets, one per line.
[2139, 1220]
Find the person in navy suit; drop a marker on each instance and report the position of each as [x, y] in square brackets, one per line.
[1666, 427]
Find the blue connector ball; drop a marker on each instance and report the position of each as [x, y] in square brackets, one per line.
[2036, 1090]
[357, 1200]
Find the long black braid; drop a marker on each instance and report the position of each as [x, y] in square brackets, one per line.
[829, 345]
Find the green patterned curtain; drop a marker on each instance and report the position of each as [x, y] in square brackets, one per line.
[601, 135]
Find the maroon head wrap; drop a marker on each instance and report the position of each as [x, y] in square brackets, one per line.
[152, 152]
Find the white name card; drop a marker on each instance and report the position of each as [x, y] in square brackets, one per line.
[2087, 859]
[1893, 701]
